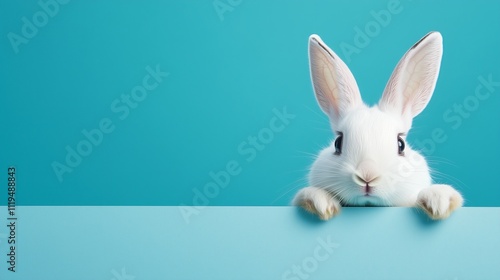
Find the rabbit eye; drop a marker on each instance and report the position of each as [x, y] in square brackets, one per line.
[338, 144]
[401, 146]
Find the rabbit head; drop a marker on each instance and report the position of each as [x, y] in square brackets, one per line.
[370, 162]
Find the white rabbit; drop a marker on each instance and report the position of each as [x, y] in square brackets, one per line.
[369, 162]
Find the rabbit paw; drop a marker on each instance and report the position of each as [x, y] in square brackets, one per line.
[439, 201]
[317, 201]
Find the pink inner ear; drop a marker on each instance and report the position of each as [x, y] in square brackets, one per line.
[325, 79]
[412, 83]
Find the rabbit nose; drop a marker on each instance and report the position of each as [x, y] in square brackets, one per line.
[366, 173]
[364, 180]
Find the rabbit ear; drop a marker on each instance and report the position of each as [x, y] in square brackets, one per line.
[413, 81]
[335, 88]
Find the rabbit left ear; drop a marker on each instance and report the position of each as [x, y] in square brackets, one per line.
[413, 81]
[334, 85]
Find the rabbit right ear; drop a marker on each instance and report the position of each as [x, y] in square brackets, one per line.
[334, 85]
[413, 81]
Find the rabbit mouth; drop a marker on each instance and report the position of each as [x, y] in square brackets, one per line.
[368, 190]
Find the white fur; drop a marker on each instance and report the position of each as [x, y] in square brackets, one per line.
[319, 200]
[370, 137]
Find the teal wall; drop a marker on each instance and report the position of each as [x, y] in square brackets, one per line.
[205, 76]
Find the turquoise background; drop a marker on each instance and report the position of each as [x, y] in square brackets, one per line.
[118, 243]
[226, 76]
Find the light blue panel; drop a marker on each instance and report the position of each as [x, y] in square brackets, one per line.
[251, 243]
[232, 70]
